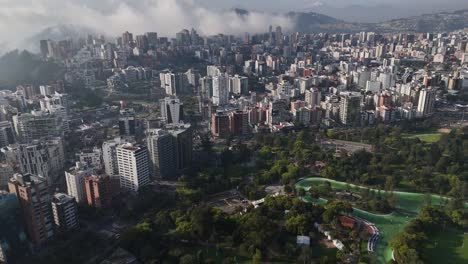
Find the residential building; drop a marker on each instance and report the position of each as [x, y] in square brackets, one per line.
[7, 134]
[426, 102]
[35, 205]
[75, 178]
[65, 212]
[350, 108]
[172, 110]
[162, 153]
[134, 169]
[100, 189]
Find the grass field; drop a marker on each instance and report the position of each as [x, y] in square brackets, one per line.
[408, 205]
[428, 138]
[450, 246]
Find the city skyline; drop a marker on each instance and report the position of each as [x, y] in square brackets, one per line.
[21, 19]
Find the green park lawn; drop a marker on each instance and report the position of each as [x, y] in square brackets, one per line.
[428, 138]
[408, 205]
[450, 246]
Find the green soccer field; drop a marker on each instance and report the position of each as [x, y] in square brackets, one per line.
[408, 205]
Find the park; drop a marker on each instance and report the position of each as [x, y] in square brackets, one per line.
[448, 245]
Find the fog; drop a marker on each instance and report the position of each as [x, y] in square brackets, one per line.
[20, 19]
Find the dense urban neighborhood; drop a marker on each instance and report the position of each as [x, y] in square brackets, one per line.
[273, 147]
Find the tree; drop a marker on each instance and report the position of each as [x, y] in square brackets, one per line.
[301, 192]
[257, 257]
[297, 224]
[334, 208]
[306, 255]
[188, 259]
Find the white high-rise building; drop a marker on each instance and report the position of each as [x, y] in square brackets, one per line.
[304, 84]
[134, 169]
[42, 158]
[426, 102]
[220, 90]
[58, 105]
[172, 110]
[313, 97]
[173, 83]
[109, 155]
[213, 71]
[239, 85]
[37, 125]
[76, 181]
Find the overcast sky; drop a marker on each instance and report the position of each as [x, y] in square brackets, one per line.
[22, 18]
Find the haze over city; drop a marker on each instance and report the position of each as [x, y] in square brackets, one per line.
[20, 19]
[233, 132]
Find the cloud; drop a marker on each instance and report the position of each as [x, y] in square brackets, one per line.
[20, 19]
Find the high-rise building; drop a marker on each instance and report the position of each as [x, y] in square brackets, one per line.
[127, 122]
[35, 203]
[57, 104]
[13, 241]
[426, 102]
[277, 112]
[37, 125]
[173, 83]
[239, 85]
[364, 76]
[220, 90]
[75, 178]
[109, 155]
[183, 138]
[92, 158]
[65, 212]
[206, 90]
[100, 189]
[44, 158]
[127, 38]
[7, 135]
[350, 108]
[172, 110]
[220, 124]
[142, 42]
[239, 123]
[6, 172]
[152, 39]
[134, 169]
[212, 71]
[162, 153]
[313, 97]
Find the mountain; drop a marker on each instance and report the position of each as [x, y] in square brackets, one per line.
[439, 22]
[312, 22]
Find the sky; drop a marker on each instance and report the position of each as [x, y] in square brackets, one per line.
[20, 19]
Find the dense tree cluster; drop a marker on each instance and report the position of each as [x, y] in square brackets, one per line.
[254, 233]
[404, 162]
[20, 67]
[409, 245]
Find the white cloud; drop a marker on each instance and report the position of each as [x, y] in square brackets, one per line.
[22, 18]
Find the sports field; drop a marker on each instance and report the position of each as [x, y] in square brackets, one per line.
[408, 205]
